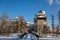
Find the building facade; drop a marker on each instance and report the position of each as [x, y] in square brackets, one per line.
[19, 25]
[40, 23]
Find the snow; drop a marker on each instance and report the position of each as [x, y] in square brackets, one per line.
[49, 36]
[29, 22]
[8, 37]
[43, 12]
[29, 36]
[16, 17]
[40, 16]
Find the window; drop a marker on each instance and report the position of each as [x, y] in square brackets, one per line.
[44, 30]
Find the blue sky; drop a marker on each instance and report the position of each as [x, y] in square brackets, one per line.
[28, 8]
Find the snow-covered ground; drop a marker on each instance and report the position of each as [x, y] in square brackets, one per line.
[28, 37]
[9, 38]
[12, 36]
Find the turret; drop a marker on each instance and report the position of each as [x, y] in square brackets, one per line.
[40, 23]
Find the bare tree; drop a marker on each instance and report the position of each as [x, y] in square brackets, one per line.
[4, 18]
[52, 18]
[58, 22]
[22, 25]
[59, 17]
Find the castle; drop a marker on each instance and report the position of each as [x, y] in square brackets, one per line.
[40, 23]
[19, 25]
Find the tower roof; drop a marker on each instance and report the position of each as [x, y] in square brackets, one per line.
[40, 14]
[40, 11]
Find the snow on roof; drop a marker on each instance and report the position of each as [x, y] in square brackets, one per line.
[30, 22]
[16, 17]
[40, 16]
[43, 12]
